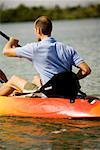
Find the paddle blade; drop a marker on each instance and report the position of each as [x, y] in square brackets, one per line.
[3, 77]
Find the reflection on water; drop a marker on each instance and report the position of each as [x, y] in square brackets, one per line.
[49, 134]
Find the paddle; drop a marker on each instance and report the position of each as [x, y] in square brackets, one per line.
[6, 37]
[3, 78]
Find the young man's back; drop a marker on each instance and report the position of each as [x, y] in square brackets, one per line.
[50, 57]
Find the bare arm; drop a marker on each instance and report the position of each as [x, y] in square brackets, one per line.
[9, 47]
[84, 70]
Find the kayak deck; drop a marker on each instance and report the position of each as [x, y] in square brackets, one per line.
[48, 107]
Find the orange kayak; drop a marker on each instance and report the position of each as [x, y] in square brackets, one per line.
[49, 107]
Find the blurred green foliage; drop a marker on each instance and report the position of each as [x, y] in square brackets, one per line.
[24, 13]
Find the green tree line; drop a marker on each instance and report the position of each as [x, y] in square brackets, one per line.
[24, 13]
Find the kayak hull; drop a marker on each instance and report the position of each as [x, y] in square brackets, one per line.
[48, 107]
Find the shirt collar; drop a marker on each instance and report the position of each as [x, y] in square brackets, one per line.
[49, 39]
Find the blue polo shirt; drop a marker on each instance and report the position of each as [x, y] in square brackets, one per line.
[49, 57]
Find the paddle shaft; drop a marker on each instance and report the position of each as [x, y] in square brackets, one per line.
[6, 37]
[3, 77]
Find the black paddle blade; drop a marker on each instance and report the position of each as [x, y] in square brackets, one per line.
[3, 78]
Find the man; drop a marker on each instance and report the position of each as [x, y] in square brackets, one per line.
[48, 56]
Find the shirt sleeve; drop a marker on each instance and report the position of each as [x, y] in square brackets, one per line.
[26, 51]
[76, 59]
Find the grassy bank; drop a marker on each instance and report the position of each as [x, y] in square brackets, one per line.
[24, 13]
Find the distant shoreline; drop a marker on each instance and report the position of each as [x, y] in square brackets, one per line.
[23, 13]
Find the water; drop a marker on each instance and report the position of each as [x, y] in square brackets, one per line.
[50, 134]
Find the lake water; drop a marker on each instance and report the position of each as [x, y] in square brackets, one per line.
[50, 134]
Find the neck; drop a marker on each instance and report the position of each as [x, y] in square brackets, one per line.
[44, 37]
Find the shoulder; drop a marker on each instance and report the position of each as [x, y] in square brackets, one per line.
[32, 45]
[65, 48]
[27, 50]
[27, 47]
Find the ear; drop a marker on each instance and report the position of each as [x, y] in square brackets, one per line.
[38, 30]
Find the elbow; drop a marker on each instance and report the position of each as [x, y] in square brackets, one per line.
[5, 52]
[84, 71]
